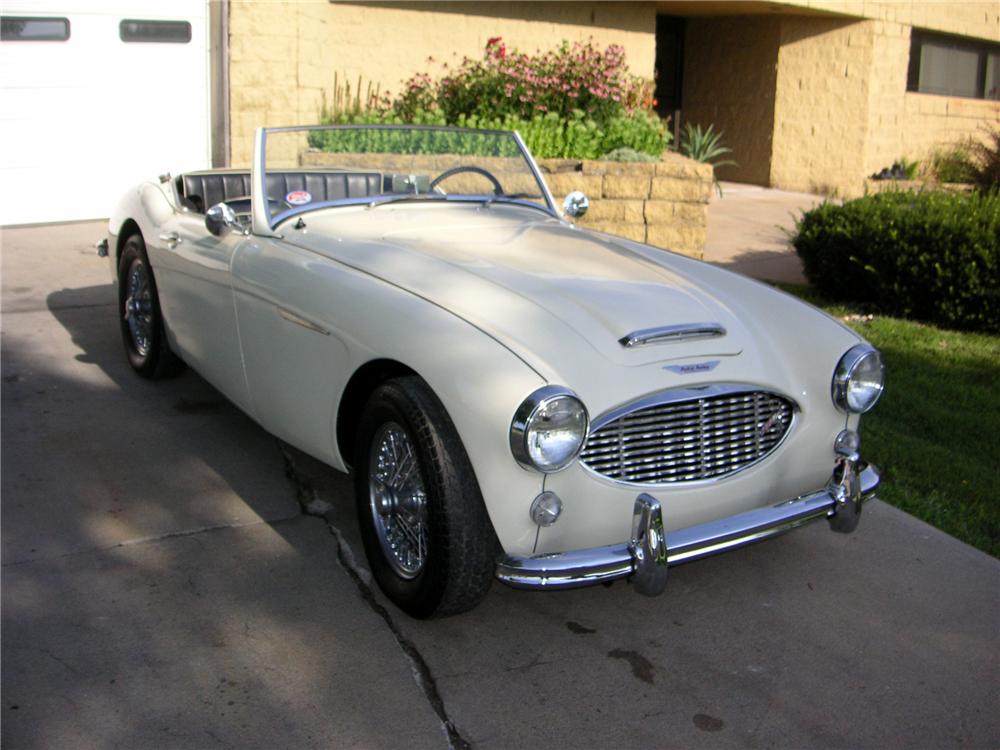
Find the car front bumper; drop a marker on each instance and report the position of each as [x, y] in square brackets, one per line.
[645, 557]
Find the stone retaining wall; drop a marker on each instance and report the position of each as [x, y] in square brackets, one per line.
[661, 203]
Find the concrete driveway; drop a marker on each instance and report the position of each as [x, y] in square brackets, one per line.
[161, 587]
[749, 228]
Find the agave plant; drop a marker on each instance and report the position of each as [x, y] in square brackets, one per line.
[705, 146]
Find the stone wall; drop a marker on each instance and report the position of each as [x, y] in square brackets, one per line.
[813, 98]
[283, 53]
[661, 203]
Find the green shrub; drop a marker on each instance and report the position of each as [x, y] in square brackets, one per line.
[572, 102]
[547, 136]
[985, 161]
[931, 256]
[628, 154]
[950, 164]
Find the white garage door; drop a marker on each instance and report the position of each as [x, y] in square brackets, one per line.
[95, 96]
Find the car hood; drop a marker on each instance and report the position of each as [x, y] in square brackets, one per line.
[527, 278]
[561, 298]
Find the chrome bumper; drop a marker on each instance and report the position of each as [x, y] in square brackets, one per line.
[646, 556]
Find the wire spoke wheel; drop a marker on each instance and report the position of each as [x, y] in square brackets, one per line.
[398, 501]
[138, 312]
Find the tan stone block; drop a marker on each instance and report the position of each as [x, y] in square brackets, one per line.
[692, 213]
[626, 186]
[600, 166]
[565, 183]
[672, 188]
[675, 165]
[557, 166]
[658, 212]
[685, 239]
[622, 211]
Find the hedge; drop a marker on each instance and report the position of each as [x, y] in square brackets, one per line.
[930, 256]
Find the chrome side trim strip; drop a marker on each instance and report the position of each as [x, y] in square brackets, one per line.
[673, 334]
[299, 320]
[588, 566]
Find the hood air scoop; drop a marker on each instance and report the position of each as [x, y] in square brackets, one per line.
[673, 334]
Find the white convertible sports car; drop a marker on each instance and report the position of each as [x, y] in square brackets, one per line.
[515, 397]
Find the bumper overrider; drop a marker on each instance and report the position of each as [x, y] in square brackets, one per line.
[645, 557]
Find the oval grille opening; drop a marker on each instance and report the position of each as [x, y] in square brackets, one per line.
[689, 440]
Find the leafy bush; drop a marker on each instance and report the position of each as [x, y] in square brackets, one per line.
[572, 102]
[931, 256]
[984, 166]
[569, 78]
[547, 136]
[950, 164]
[628, 154]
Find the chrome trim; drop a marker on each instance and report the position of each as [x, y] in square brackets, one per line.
[589, 566]
[688, 393]
[576, 204]
[523, 415]
[259, 223]
[264, 226]
[299, 320]
[673, 334]
[683, 393]
[533, 166]
[846, 368]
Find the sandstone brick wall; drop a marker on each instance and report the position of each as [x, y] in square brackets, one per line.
[283, 53]
[729, 83]
[663, 203]
[821, 103]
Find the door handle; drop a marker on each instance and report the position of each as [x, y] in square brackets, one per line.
[172, 239]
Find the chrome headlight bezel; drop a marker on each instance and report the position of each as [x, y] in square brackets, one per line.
[858, 356]
[522, 424]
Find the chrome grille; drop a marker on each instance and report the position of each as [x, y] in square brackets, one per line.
[697, 437]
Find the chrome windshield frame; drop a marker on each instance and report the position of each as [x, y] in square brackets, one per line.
[264, 225]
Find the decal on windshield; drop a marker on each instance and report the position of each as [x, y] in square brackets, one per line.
[298, 198]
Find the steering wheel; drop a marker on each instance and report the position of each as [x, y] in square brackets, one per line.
[497, 187]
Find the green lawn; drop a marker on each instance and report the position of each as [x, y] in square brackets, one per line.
[935, 434]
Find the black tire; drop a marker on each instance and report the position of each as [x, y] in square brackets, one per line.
[459, 560]
[146, 346]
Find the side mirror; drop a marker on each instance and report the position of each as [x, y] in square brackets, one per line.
[220, 219]
[576, 204]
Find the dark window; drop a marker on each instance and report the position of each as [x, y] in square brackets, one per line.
[669, 64]
[953, 66]
[22, 29]
[176, 32]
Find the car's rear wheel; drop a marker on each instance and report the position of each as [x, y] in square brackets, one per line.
[145, 342]
[426, 533]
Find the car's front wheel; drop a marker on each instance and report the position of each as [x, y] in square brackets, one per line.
[139, 316]
[426, 533]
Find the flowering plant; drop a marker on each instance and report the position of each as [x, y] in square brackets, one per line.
[573, 101]
[578, 77]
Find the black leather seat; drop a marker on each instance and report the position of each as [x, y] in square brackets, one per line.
[201, 190]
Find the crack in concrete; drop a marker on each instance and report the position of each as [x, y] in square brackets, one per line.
[150, 540]
[308, 499]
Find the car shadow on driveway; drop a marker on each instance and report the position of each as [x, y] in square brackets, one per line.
[813, 639]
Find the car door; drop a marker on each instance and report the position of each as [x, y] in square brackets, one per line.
[194, 282]
[296, 362]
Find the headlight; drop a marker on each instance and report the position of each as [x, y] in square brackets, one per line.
[549, 429]
[859, 379]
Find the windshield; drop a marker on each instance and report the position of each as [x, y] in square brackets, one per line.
[317, 167]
